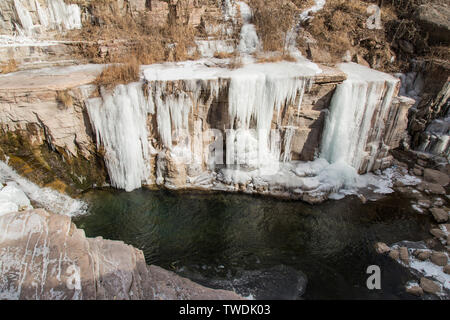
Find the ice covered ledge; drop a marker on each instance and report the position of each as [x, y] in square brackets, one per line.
[45, 257]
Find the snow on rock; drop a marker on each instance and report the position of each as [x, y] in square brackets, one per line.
[306, 14]
[47, 198]
[13, 194]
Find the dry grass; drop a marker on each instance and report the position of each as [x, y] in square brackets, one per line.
[341, 26]
[113, 38]
[11, 66]
[116, 74]
[64, 99]
[235, 63]
[224, 55]
[273, 20]
[275, 58]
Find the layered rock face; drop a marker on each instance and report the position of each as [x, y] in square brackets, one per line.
[46, 135]
[428, 123]
[194, 125]
[258, 129]
[44, 256]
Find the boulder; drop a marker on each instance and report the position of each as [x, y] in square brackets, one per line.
[438, 233]
[429, 286]
[447, 269]
[439, 258]
[404, 256]
[424, 203]
[440, 214]
[394, 254]
[431, 188]
[49, 258]
[382, 247]
[7, 207]
[423, 255]
[406, 46]
[433, 19]
[415, 290]
[434, 176]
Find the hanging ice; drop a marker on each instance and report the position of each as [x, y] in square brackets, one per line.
[358, 112]
[56, 15]
[249, 42]
[120, 122]
[256, 95]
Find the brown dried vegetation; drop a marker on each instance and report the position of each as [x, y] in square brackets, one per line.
[9, 67]
[116, 74]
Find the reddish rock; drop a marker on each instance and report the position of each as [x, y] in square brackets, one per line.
[429, 286]
[382, 247]
[65, 265]
[404, 256]
[394, 254]
[439, 258]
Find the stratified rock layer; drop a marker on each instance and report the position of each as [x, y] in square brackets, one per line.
[44, 256]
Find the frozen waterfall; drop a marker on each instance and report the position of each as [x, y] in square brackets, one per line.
[56, 15]
[357, 116]
[120, 123]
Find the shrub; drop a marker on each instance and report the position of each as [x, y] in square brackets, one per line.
[273, 20]
[11, 66]
[116, 74]
[64, 99]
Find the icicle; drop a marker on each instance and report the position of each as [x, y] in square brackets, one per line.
[257, 96]
[120, 123]
[249, 41]
[24, 17]
[357, 112]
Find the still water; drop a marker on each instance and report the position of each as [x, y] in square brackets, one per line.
[262, 247]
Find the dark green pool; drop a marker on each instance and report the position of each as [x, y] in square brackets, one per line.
[261, 245]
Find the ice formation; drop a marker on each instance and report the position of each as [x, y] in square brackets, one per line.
[57, 15]
[436, 138]
[306, 14]
[256, 93]
[249, 41]
[358, 112]
[120, 122]
[12, 196]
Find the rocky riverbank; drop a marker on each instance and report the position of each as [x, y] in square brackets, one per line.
[44, 256]
[428, 260]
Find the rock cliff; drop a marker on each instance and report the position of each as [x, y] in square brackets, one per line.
[44, 256]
